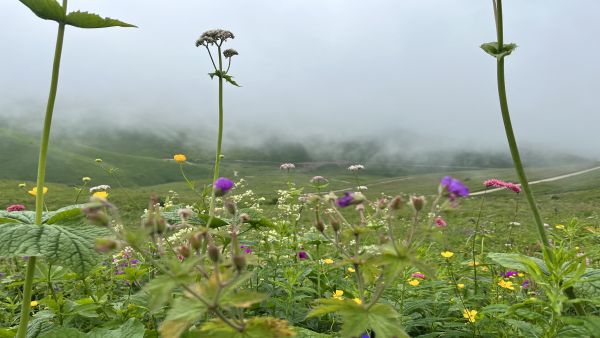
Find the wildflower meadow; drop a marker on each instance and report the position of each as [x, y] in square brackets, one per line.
[305, 255]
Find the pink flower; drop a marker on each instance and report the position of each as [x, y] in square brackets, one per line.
[16, 207]
[440, 223]
[496, 183]
[418, 275]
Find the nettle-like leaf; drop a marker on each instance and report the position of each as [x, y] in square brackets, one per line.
[225, 76]
[516, 261]
[131, 329]
[181, 316]
[46, 9]
[499, 53]
[91, 20]
[256, 327]
[381, 318]
[67, 214]
[70, 245]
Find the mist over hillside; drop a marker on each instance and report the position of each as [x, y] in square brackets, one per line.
[143, 157]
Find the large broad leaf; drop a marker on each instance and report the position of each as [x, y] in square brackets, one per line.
[516, 261]
[91, 20]
[63, 332]
[68, 245]
[131, 329]
[62, 215]
[27, 217]
[381, 318]
[256, 327]
[181, 316]
[46, 9]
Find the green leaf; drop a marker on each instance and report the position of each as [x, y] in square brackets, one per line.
[243, 299]
[256, 327]
[160, 290]
[91, 20]
[517, 261]
[381, 318]
[63, 332]
[306, 333]
[214, 223]
[181, 316]
[492, 49]
[68, 213]
[68, 245]
[46, 9]
[225, 76]
[27, 217]
[131, 329]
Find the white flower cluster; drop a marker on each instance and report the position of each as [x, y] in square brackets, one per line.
[356, 167]
[97, 188]
[287, 166]
[179, 236]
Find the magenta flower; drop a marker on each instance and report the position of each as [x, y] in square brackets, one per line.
[16, 207]
[418, 275]
[222, 185]
[302, 255]
[509, 274]
[246, 249]
[454, 187]
[496, 183]
[345, 200]
[440, 223]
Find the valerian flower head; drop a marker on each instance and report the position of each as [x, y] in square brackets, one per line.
[287, 166]
[230, 53]
[356, 167]
[214, 36]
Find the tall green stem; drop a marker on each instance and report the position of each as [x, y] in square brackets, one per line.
[512, 142]
[514, 151]
[41, 176]
[219, 136]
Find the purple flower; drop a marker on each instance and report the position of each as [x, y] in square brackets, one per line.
[345, 200]
[247, 249]
[302, 255]
[134, 261]
[525, 284]
[222, 185]
[509, 274]
[454, 187]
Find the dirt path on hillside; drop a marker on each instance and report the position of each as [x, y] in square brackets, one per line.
[549, 179]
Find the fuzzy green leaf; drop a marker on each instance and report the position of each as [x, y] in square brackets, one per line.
[91, 20]
[46, 9]
[492, 49]
[68, 245]
[68, 213]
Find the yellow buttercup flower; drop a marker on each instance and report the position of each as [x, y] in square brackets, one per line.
[470, 315]
[100, 194]
[351, 270]
[357, 301]
[328, 261]
[34, 303]
[520, 274]
[447, 254]
[506, 285]
[338, 294]
[559, 226]
[460, 286]
[180, 158]
[33, 191]
[414, 282]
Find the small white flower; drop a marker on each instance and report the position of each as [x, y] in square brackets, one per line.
[356, 167]
[287, 166]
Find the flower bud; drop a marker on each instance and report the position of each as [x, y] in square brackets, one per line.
[213, 253]
[230, 207]
[196, 240]
[184, 251]
[244, 218]
[86, 179]
[184, 214]
[417, 202]
[320, 226]
[382, 203]
[239, 262]
[395, 203]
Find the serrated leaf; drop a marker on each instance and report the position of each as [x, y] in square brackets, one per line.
[46, 9]
[70, 245]
[222, 75]
[91, 20]
[492, 49]
[160, 290]
[256, 327]
[63, 332]
[27, 217]
[68, 213]
[243, 299]
[516, 261]
[181, 316]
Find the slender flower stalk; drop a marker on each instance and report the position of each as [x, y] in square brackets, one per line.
[500, 51]
[41, 175]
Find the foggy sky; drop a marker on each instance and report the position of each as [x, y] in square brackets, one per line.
[317, 68]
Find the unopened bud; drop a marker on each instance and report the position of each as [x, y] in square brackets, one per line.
[320, 226]
[86, 179]
[184, 214]
[184, 251]
[213, 253]
[230, 207]
[196, 240]
[244, 218]
[239, 262]
[417, 202]
[396, 203]
[382, 203]
[335, 224]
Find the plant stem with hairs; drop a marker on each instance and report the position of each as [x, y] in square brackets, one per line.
[41, 176]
